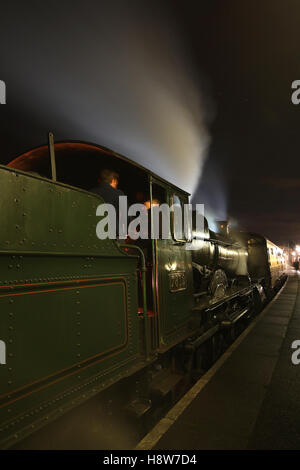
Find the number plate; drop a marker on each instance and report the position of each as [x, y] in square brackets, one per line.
[177, 281]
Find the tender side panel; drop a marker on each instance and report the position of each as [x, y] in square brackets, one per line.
[68, 304]
[52, 329]
[39, 215]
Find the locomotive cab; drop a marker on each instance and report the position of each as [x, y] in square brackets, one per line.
[78, 164]
[169, 285]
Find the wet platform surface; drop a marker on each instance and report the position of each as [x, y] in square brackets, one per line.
[252, 401]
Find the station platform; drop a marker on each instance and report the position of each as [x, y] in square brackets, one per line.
[250, 398]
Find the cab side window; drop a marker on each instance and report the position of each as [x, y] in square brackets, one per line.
[180, 221]
[177, 218]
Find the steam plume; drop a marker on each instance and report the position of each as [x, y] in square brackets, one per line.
[115, 73]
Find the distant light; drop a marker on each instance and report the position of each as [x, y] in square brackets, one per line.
[293, 253]
[298, 248]
[148, 204]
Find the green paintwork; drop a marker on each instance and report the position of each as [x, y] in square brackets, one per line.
[68, 303]
[174, 308]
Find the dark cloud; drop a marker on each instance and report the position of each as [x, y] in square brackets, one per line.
[159, 81]
[249, 51]
[111, 72]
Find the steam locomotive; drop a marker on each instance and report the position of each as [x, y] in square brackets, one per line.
[79, 314]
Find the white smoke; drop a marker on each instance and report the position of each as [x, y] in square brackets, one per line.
[114, 73]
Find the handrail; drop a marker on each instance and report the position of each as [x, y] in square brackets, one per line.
[52, 155]
[219, 242]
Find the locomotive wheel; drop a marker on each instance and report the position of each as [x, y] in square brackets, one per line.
[218, 284]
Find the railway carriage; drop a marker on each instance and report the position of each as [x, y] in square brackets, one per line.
[266, 262]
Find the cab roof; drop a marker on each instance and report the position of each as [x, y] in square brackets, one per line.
[37, 159]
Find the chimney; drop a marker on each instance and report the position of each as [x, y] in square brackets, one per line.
[223, 227]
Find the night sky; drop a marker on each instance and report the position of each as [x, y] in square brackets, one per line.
[199, 92]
